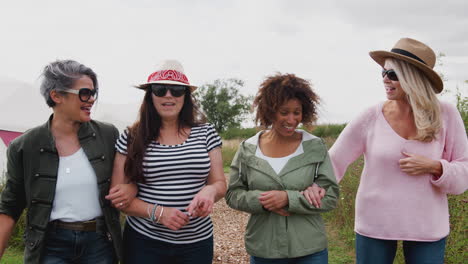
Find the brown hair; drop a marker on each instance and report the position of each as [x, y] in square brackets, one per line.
[277, 90]
[146, 129]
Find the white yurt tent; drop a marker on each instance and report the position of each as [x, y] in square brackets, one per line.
[21, 108]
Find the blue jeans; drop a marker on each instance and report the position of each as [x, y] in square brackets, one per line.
[69, 246]
[320, 257]
[380, 251]
[141, 249]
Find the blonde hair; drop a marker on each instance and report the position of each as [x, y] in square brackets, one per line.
[421, 97]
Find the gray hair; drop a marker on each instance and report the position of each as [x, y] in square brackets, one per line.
[60, 75]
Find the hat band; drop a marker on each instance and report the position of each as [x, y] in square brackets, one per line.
[168, 75]
[407, 54]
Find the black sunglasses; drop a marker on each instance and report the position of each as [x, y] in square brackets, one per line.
[391, 74]
[84, 94]
[160, 90]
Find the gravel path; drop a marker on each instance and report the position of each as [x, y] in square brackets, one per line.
[229, 228]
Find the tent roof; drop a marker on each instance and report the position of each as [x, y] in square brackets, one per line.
[21, 106]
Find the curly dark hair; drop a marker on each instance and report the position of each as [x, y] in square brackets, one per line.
[277, 90]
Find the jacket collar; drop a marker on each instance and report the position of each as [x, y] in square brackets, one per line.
[47, 141]
[315, 151]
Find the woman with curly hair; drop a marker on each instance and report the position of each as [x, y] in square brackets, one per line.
[271, 170]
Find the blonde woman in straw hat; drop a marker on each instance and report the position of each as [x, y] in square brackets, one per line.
[175, 160]
[416, 152]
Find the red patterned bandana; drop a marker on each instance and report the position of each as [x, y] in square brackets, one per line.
[168, 75]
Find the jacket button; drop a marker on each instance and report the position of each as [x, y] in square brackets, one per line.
[31, 244]
[94, 134]
[102, 157]
[37, 174]
[41, 150]
[33, 201]
[108, 180]
[30, 228]
[109, 237]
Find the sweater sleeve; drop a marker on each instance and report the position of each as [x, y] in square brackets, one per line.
[238, 195]
[351, 142]
[454, 179]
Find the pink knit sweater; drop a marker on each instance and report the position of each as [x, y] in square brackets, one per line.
[391, 204]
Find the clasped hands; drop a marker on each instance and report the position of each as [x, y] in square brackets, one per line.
[121, 196]
[200, 206]
[275, 200]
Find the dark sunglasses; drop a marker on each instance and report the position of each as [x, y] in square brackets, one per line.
[160, 90]
[391, 74]
[84, 94]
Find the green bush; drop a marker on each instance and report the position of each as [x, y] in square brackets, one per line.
[238, 133]
[330, 130]
[16, 240]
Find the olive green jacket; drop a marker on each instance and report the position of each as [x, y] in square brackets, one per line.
[268, 234]
[32, 166]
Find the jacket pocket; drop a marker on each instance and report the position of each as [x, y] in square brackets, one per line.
[33, 245]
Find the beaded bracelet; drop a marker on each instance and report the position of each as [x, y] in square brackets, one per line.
[153, 211]
[160, 214]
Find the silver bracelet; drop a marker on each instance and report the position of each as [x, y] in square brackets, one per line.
[160, 215]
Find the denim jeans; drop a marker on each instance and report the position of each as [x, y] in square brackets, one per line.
[141, 249]
[320, 257]
[380, 251]
[80, 247]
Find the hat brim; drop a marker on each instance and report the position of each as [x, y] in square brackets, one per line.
[380, 56]
[144, 86]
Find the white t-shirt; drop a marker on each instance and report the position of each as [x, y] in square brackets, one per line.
[278, 163]
[76, 194]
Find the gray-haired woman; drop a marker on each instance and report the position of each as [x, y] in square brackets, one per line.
[61, 172]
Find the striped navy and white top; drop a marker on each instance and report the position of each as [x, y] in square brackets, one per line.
[174, 174]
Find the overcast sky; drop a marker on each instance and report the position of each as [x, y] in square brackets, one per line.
[326, 42]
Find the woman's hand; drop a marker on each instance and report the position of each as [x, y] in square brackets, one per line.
[415, 164]
[202, 203]
[121, 195]
[314, 195]
[274, 200]
[172, 218]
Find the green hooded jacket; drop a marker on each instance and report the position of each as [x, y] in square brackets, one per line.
[269, 235]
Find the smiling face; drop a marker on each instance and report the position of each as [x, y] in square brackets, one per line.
[287, 118]
[393, 88]
[72, 107]
[168, 106]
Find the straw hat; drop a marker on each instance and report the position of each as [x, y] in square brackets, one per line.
[168, 72]
[416, 53]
